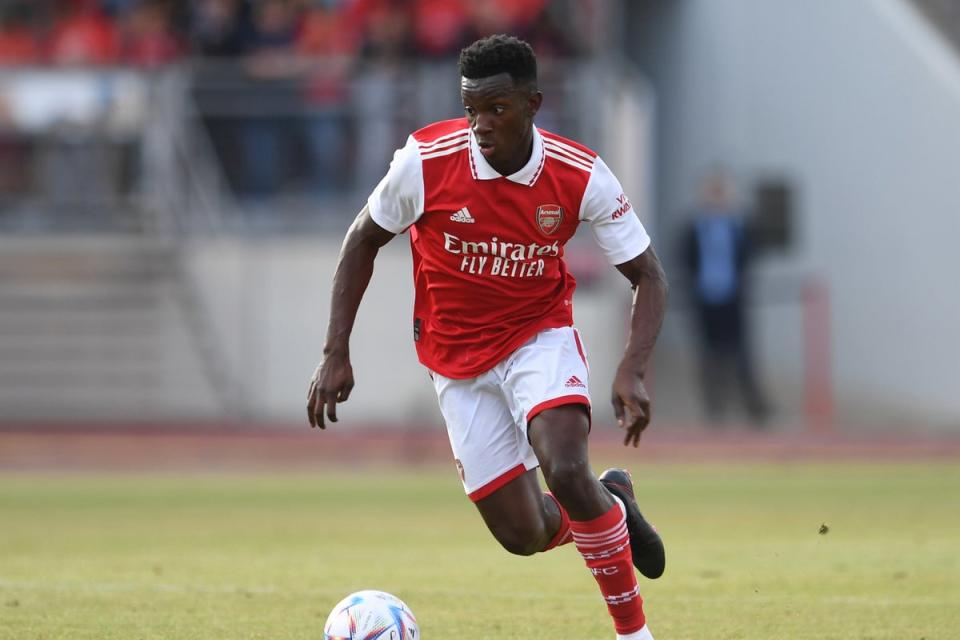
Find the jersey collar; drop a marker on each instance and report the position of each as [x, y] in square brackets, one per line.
[527, 175]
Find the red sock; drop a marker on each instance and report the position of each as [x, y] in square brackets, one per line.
[562, 536]
[604, 544]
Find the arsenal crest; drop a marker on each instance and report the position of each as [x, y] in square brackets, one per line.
[549, 217]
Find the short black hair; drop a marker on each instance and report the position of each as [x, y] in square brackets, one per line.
[499, 54]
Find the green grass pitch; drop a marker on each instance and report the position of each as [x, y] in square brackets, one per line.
[265, 556]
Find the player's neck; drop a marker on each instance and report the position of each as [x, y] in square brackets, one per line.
[519, 161]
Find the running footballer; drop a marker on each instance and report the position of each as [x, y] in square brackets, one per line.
[489, 201]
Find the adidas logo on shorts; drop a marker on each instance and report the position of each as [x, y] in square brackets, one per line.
[574, 381]
[463, 216]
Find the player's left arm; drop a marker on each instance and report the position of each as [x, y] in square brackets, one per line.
[631, 402]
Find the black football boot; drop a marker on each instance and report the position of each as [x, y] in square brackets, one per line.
[645, 542]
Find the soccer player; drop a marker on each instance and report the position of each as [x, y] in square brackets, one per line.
[489, 201]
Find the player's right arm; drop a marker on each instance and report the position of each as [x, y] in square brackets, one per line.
[332, 381]
[395, 204]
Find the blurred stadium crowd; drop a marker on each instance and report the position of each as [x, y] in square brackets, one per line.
[152, 33]
[282, 86]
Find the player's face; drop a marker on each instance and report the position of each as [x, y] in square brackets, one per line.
[500, 114]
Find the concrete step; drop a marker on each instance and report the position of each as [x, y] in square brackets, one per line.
[100, 326]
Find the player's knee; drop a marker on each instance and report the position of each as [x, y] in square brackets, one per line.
[520, 540]
[567, 479]
[520, 546]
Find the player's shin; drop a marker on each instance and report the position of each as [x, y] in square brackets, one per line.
[605, 546]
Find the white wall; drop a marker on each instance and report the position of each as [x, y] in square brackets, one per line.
[858, 102]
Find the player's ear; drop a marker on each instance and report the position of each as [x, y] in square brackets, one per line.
[534, 100]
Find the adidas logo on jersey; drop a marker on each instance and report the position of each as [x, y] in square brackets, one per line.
[574, 381]
[463, 216]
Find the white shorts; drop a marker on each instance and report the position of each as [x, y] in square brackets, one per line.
[487, 416]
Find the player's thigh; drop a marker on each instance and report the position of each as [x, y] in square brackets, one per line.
[490, 450]
[546, 373]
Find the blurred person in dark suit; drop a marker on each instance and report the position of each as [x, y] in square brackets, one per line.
[329, 45]
[716, 251]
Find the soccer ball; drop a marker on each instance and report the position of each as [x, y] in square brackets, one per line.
[371, 615]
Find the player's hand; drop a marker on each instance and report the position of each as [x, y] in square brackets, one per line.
[631, 404]
[331, 383]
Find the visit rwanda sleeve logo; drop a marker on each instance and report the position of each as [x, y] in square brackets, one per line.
[549, 217]
[623, 205]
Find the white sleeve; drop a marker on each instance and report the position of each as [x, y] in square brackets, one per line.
[397, 202]
[613, 221]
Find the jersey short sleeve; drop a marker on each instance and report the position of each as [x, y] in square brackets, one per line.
[614, 223]
[397, 202]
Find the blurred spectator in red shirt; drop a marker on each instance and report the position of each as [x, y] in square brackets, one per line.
[520, 14]
[328, 43]
[486, 19]
[326, 36]
[383, 27]
[504, 16]
[149, 40]
[82, 35]
[18, 42]
[440, 27]
[327, 30]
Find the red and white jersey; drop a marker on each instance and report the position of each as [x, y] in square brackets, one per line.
[488, 262]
